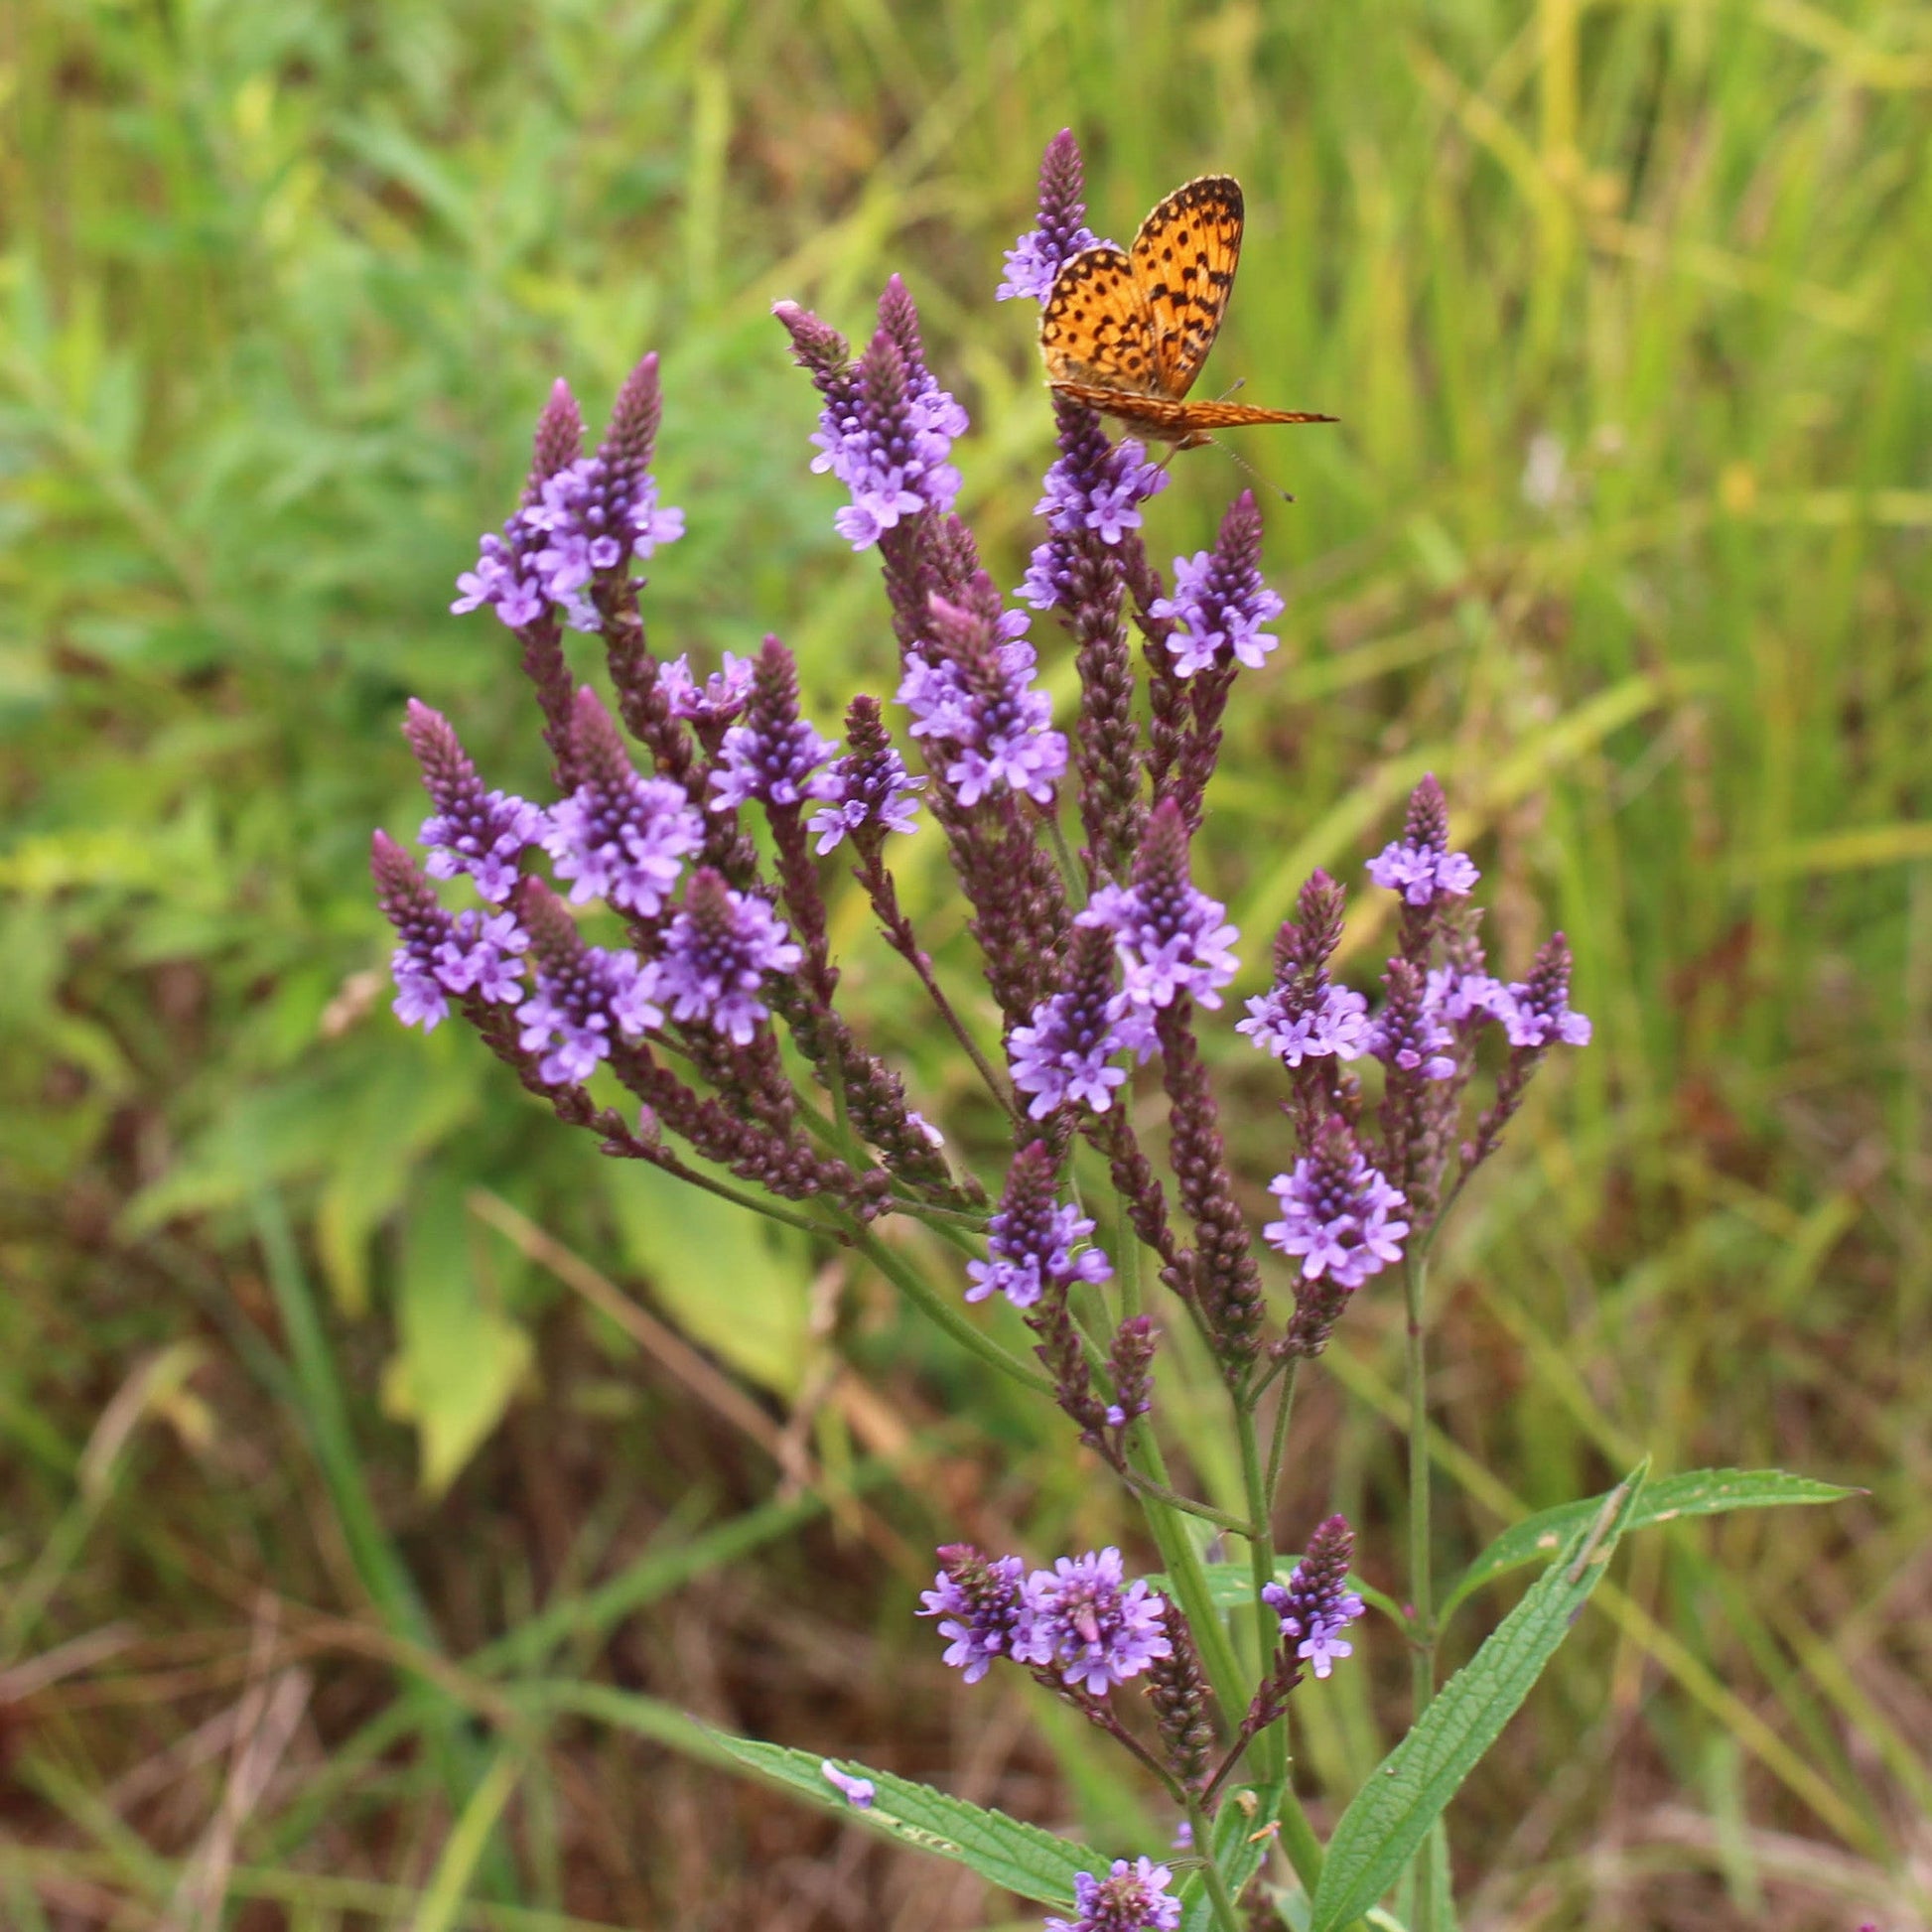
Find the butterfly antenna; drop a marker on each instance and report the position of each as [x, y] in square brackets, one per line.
[1235, 456]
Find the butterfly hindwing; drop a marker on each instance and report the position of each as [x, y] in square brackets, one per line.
[1168, 419]
[1185, 258]
[1096, 329]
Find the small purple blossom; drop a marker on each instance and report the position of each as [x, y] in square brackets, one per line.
[715, 702]
[1460, 997]
[482, 833]
[970, 691]
[980, 1603]
[775, 755]
[580, 1004]
[1409, 1035]
[1131, 1898]
[1065, 1052]
[1030, 1241]
[1286, 1022]
[582, 519]
[1419, 864]
[857, 1792]
[1171, 938]
[1539, 1012]
[887, 428]
[1219, 600]
[1338, 1213]
[869, 793]
[439, 955]
[1059, 234]
[1083, 1620]
[619, 837]
[1316, 1605]
[716, 953]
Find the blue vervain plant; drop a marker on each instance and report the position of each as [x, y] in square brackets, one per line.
[704, 1032]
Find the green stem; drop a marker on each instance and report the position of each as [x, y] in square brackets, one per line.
[1422, 1655]
[1160, 1493]
[1278, 1448]
[923, 1294]
[1225, 1915]
[1271, 1747]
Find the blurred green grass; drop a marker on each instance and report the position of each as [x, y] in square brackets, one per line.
[1628, 311]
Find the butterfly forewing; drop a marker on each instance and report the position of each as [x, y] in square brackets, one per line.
[1185, 258]
[1096, 329]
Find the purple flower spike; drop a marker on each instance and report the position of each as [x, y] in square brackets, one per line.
[979, 1601]
[1419, 864]
[887, 428]
[1131, 1898]
[619, 837]
[1093, 486]
[482, 833]
[1083, 1620]
[1296, 1023]
[775, 755]
[1030, 1241]
[713, 702]
[1061, 231]
[1066, 1051]
[582, 519]
[1171, 938]
[585, 999]
[1338, 1212]
[873, 794]
[716, 953]
[1539, 1013]
[969, 690]
[1219, 600]
[1316, 1605]
[1462, 997]
[857, 1792]
[440, 955]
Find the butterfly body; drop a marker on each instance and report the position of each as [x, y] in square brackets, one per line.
[1125, 331]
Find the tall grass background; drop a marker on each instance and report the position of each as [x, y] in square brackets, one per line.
[375, 1458]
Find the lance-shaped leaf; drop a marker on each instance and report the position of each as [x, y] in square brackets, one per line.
[1391, 1813]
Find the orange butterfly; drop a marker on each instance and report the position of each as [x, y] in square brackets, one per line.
[1126, 332]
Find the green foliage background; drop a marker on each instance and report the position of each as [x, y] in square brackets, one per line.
[1626, 310]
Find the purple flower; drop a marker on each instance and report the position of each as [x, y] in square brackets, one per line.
[1539, 1010]
[857, 1792]
[1297, 1023]
[1030, 1241]
[716, 953]
[1067, 1050]
[581, 521]
[1131, 1898]
[1410, 1037]
[1419, 864]
[619, 837]
[1316, 1605]
[775, 755]
[1060, 232]
[1084, 1620]
[969, 689]
[871, 793]
[979, 1601]
[440, 955]
[887, 429]
[482, 833]
[1338, 1212]
[581, 1002]
[1219, 600]
[1462, 997]
[717, 701]
[1171, 938]
[1093, 486]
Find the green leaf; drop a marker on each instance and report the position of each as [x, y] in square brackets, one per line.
[1391, 1813]
[1022, 1858]
[1697, 1492]
[728, 1279]
[1243, 1831]
[458, 1358]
